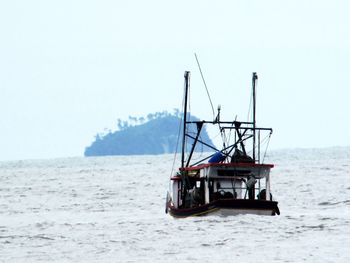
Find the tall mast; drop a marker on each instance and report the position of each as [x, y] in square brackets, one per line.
[254, 78]
[187, 77]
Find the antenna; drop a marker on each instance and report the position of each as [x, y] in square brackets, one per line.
[217, 119]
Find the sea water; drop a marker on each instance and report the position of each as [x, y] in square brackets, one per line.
[111, 209]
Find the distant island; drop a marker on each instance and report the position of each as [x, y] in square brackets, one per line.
[155, 134]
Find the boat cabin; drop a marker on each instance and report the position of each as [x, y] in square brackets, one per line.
[214, 181]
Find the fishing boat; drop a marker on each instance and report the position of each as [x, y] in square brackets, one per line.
[228, 181]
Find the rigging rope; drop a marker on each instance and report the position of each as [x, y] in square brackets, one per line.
[178, 136]
[267, 146]
[205, 85]
[189, 98]
[250, 106]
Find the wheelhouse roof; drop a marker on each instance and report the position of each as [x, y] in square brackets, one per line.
[226, 165]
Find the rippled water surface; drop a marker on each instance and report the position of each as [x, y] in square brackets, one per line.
[111, 209]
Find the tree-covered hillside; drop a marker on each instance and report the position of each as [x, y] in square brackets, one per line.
[157, 135]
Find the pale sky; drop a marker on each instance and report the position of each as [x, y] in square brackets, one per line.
[69, 69]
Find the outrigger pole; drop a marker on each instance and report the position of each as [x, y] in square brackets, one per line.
[254, 78]
[184, 185]
[187, 77]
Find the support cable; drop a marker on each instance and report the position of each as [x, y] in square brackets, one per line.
[178, 136]
[205, 85]
[267, 146]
